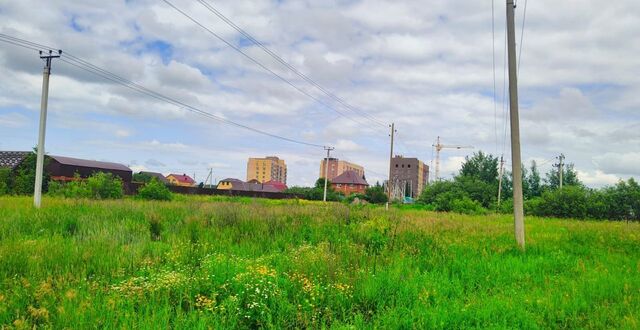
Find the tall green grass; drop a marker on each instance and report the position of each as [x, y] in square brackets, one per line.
[214, 262]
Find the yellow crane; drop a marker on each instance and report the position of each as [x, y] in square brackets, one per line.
[439, 146]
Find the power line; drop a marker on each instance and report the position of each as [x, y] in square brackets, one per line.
[493, 59]
[237, 49]
[278, 58]
[85, 65]
[524, 19]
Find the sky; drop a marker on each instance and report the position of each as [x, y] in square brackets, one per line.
[427, 66]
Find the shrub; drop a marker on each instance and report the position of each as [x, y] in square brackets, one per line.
[466, 205]
[98, 186]
[568, 202]
[155, 190]
[5, 183]
[375, 195]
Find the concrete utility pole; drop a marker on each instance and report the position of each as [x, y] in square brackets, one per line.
[516, 160]
[500, 180]
[326, 172]
[37, 190]
[393, 131]
[560, 164]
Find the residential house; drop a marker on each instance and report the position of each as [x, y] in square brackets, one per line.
[239, 185]
[62, 168]
[181, 180]
[349, 182]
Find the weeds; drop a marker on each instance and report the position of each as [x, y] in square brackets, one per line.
[200, 262]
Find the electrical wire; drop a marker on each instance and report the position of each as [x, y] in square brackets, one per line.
[524, 19]
[283, 79]
[278, 58]
[493, 60]
[72, 60]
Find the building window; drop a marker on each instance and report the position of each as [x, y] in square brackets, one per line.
[402, 165]
[396, 165]
[409, 166]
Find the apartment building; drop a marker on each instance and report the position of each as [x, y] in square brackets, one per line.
[337, 167]
[267, 169]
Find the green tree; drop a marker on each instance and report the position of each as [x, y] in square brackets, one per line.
[142, 177]
[375, 194]
[534, 183]
[569, 177]
[5, 181]
[481, 166]
[25, 176]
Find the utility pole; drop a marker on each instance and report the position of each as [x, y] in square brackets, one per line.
[37, 190]
[560, 164]
[516, 160]
[326, 172]
[393, 131]
[500, 179]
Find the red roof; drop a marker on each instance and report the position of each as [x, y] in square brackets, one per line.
[349, 177]
[183, 178]
[277, 184]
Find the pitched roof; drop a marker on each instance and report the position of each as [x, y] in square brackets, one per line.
[349, 177]
[183, 178]
[90, 163]
[277, 184]
[156, 175]
[12, 159]
[239, 185]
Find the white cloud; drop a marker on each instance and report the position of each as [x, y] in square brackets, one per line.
[424, 65]
[13, 120]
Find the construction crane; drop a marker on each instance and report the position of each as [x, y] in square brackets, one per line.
[439, 147]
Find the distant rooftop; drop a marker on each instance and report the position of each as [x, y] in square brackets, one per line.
[11, 159]
[90, 163]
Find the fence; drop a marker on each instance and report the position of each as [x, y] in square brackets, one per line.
[131, 188]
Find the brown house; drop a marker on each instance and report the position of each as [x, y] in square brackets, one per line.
[65, 168]
[349, 182]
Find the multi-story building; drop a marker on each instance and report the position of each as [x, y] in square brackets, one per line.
[337, 167]
[409, 176]
[267, 169]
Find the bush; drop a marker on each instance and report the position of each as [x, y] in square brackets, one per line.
[5, 183]
[98, 186]
[568, 202]
[466, 205]
[375, 195]
[155, 190]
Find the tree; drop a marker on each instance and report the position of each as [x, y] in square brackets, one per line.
[25, 176]
[142, 177]
[569, 177]
[481, 166]
[375, 194]
[534, 183]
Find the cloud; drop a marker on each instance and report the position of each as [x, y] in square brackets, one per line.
[426, 66]
[13, 120]
[619, 163]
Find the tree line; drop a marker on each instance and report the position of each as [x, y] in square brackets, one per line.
[474, 190]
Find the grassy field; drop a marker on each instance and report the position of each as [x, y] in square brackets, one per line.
[238, 263]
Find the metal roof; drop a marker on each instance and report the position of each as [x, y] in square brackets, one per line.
[349, 177]
[11, 159]
[90, 163]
